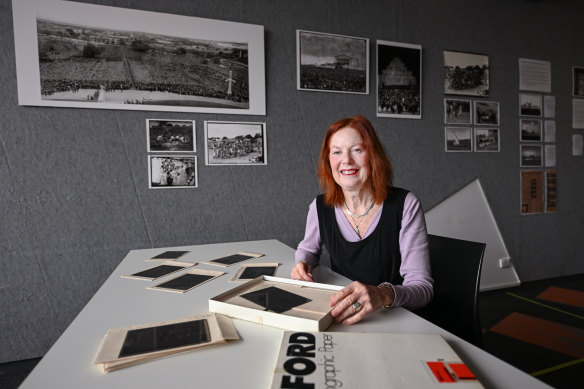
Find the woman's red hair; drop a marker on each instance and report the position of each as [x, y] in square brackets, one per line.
[380, 171]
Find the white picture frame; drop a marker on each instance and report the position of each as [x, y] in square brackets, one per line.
[235, 143]
[124, 75]
[171, 136]
[172, 171]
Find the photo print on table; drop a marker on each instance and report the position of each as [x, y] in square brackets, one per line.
[71, 54]
[235, 143]
[332, 63]
[486, 139]
[531, 155]
[457, 111]
[171, 136]
[486, 113]
[531, 130]
[530, 105]
[458, 139]
[275, 299]
[399, 80]
[232, 259]
[172, 171]
[466, 74]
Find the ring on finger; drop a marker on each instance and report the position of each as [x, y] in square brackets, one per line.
[356, 306]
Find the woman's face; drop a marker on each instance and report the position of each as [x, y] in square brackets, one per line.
[348, 158]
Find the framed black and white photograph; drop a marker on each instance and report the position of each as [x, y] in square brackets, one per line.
[466, 74]
[531, 155]
[80, 55]
[578, 81]
[487, 140]
[530, 105]
[332, 63]
[457, 111]
[399, 80]
[172, 136]
[486, 113]
[530, 130]
[235, 143]
[458, 139]
[178, 171]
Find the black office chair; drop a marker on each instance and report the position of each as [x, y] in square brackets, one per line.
[456, 269]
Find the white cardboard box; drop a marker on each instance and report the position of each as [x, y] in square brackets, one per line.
[311, 316]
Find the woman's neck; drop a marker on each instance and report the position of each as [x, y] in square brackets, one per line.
[358, 202]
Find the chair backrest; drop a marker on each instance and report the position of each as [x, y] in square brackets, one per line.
[456, 269]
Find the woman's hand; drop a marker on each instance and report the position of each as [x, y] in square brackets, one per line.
[369, 298]
[302, 271]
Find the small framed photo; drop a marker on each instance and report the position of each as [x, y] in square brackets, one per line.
[250, 271]
[458, 139]
[532, 197]
[332, 63]
[457, 111]
[531, 155]
[172, 172]
[171, 136]
[466, 74]
[486, 139]
[530, 105]
[531, 130]
[550, 131]
[486, 113]
[235, 143]
[399, 80]
[578, 81]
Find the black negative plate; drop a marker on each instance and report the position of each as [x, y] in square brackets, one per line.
[275, 299]
[157, 271]
[231, 259]
[185, 282]
[255, 271]
[170, 255]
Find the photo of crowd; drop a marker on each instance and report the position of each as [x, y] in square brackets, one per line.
[235, 143]
[466, 74]
[89, 64]
[399, 75]
[332, 63]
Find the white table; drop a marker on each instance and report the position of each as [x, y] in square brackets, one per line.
[246, 363]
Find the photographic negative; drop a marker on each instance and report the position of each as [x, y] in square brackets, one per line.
[332, 63]
[486, 113]
[466, 74]
[249, 271]
[165, 337]
[530, 105]
[530, 130]
[171, 135]
[233, 259]
[168, 255]
[90, 56]
[486, 139]
[159, 271]
[531, 191]
[275, 299]
[458, 138]
[531, 155]
[399, 80]
[172, 172]
[578, 81]
[235, 143]
[551, 194]
[457, 111]
[187, 281]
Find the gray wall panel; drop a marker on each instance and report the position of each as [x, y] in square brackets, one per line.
[75, 195]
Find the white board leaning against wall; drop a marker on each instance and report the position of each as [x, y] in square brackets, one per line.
[466, 215]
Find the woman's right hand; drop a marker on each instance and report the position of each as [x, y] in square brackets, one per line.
[302, 271]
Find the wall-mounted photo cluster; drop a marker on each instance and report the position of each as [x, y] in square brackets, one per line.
[537, 137]
[467, 74]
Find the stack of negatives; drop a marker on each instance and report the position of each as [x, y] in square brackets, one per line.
[128, 346]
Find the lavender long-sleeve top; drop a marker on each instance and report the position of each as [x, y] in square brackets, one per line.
[416, 290]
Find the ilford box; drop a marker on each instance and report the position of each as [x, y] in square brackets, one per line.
[279, 302]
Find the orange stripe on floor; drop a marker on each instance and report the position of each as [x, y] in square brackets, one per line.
[564, 296]
[544, 333]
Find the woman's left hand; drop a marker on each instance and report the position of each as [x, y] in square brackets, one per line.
[369, 298]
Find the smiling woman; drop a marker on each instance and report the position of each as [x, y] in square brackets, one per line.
[375, 233]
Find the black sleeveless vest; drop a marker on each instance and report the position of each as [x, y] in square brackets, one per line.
[372, 260]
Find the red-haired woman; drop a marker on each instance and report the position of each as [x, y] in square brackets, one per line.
[375, 233]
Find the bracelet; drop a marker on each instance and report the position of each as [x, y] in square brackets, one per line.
[390, 287]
